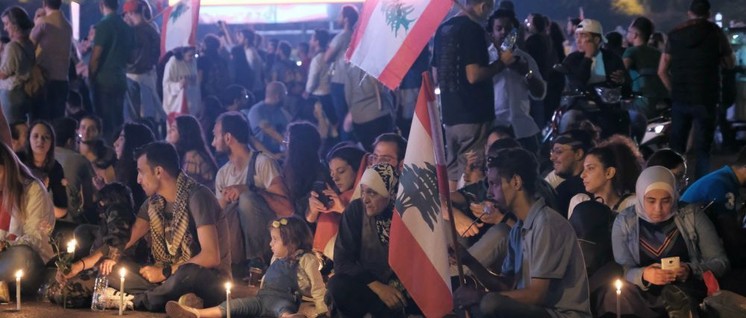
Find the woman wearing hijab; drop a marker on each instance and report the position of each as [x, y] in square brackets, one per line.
[656, 228]
[363, 281]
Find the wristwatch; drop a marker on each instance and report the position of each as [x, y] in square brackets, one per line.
[167, 271]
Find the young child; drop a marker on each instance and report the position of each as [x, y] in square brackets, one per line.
[294, 273]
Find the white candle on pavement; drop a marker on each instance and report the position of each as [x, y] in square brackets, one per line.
[122, 272]
[19, 274]
[228, 286]
[618, 285]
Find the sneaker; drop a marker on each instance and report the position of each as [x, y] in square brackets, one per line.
[112, 297]
[176, 310]
[678, 304]
[191, 300]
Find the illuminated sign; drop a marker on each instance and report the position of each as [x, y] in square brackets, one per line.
[210, 3]
[257, 14]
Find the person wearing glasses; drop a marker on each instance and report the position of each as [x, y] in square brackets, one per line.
[388, 148]
[567, 155]
[363, 281]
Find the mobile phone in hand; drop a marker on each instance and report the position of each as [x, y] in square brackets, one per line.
[319, 187]
[670, 263]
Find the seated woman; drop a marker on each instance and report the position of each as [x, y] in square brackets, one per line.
[106, 241]
[131, 137]
[186, 134]
[609, 174]
[363, 281]
[653, 229]
[103, 159]
[39, 157]
[344, 164]
[26, 222]
[302, 168]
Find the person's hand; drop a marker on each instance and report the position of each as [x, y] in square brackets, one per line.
[153, 274]
[487, 211]
[231, 193]
[98, 182]
[75, 269]
[314, 204]
[466, 296]
[507, 57]
[305, 95]
[106, 267]
[618, 77]
[336, 205]
[389, 295]
[183, 83]
[464, 225]
[682, 274]
[472, 171]
[656, 276]
[39, 13]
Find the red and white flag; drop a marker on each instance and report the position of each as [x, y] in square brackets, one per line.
[391, 34]
[418, 250]
[179, 25]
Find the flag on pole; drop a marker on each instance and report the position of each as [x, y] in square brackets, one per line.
[418, 252]
[179, 25]
[391, 34]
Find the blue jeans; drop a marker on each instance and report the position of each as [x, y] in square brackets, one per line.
[15, 104]
[279, 293]
[682, 117]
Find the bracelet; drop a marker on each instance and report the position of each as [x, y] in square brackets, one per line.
[82, 261]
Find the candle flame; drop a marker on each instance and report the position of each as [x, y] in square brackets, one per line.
[122, 272]
[19, 274]
[618, 284]
[71, 246]
[228, 286]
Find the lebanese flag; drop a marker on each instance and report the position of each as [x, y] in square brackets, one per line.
[391, 34]
[418, 250]
[179, 25]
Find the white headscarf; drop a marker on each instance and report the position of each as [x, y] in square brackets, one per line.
[655, 178]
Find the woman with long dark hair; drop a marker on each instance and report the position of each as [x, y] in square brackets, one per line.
[302, 165]
[131, 137]
[188, 138]
[39, 157]
[26, 222]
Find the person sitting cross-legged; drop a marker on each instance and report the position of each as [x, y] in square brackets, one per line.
[188, 234]
[543, 274]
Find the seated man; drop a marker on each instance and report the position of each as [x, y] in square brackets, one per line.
[567, 156]
[543, 274]
[188, 233]
[363, 281]
[269, 119]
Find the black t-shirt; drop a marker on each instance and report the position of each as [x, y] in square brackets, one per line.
[566, 190]
[460, 42]
[696, 49]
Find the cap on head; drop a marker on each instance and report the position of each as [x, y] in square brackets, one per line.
[700, 7]
[591, 26]
[132, 6]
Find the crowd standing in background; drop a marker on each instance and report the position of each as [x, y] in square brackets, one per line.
[243, 155]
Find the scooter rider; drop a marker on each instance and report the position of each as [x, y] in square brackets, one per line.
[593, 66]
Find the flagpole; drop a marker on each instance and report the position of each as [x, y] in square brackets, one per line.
[440, 161]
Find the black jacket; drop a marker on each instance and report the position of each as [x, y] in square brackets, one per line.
[579, 70]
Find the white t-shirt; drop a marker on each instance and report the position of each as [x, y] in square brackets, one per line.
[553, 179]
[229, 175]
[582, 197]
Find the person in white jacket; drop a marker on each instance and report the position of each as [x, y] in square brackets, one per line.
[26, 222]
[180, 83]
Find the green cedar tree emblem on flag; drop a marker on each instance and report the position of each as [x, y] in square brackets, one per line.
[397, 15]
[178, 10]
[420, 191]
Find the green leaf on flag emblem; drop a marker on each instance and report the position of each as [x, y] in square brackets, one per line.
[179, 9]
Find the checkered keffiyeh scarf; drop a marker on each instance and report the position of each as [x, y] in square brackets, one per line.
[170, 233]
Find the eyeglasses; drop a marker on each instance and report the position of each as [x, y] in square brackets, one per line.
[277, 223]
[374, 158]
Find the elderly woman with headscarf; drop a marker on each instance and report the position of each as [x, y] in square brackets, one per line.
[656, 228]
[363, 282]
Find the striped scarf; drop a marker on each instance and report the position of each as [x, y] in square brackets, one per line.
[170, 233]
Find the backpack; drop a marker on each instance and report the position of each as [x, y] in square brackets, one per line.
[35, 82]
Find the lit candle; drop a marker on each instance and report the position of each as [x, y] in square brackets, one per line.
[618, 285]
[19, 273]
[228, 286]
[122, 272]
[71, 246]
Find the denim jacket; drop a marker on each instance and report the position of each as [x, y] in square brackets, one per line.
[705, 250]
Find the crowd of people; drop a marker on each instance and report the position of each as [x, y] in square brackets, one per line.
[239, 156]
